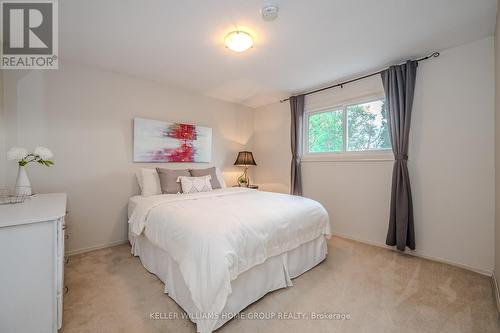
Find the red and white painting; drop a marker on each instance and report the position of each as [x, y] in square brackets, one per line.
[160, 141]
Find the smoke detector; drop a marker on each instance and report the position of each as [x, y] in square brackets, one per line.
[269, 12]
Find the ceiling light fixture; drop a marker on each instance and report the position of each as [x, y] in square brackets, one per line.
[238, 41]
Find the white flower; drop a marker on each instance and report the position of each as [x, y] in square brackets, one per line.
[44, 153]
[17, 153]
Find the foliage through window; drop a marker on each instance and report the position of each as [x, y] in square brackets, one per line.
[348, 128]
[325, 132]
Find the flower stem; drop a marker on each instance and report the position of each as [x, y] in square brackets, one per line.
[24, 161]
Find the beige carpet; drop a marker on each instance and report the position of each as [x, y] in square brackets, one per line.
[381, 290]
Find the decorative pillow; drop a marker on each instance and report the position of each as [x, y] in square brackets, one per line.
[168, 180]
[195, 184]
[149, 182]
[205, 172]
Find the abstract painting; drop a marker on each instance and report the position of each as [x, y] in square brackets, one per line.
[160, 141]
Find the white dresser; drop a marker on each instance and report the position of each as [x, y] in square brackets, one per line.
[32, 264]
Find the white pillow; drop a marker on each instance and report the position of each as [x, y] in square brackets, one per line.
[149, 181]
[220, 178]
[195, 184]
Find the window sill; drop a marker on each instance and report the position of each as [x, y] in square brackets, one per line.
[350, 157]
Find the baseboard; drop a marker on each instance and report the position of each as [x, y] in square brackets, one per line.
[496, 291]
[416, 254]
[97, 247]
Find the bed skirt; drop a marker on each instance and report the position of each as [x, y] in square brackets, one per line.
[275, 273]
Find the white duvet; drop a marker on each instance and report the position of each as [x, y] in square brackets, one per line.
[215, 236]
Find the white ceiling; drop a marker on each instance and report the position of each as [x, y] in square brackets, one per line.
[312, 43]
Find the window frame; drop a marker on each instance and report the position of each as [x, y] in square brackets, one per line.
[344, 155]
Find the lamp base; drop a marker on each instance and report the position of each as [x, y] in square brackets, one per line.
[243, 180]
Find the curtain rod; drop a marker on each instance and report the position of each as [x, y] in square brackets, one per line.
[432, 55]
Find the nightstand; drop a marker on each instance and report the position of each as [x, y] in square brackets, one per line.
[253, 187]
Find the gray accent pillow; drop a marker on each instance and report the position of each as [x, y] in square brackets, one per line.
[168, 180]
[204, 172]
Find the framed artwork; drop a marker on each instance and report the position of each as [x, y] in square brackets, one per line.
[160, 141]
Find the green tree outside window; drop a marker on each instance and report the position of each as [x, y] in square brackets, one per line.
[366, 126]
[325, 132]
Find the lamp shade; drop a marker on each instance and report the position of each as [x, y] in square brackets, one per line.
[245, 158]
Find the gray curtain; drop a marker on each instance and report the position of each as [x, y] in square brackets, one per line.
[399, 86]
[297, 109]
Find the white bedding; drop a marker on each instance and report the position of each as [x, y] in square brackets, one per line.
[215, 236]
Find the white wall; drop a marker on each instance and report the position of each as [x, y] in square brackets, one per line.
[451, 161]
[497, 151]
[3, 156]
[272, 147]
[85, 116]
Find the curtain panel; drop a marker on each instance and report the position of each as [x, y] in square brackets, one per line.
[296, 133]
[399, 86]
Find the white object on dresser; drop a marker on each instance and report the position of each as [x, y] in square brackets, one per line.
[32, 264]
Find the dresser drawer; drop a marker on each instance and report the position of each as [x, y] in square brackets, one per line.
[60, 260]
[60, 255]
[61, 232]
[59, 310]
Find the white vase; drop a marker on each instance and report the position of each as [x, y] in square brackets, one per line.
[23, 185]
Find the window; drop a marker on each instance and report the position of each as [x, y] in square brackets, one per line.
[325, 131]
[355, 127]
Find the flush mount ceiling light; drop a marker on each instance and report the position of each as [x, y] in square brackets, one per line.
[238, 41]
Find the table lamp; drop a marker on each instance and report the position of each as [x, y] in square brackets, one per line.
[245, 159]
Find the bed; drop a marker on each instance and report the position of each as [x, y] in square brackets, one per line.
[219, 251]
